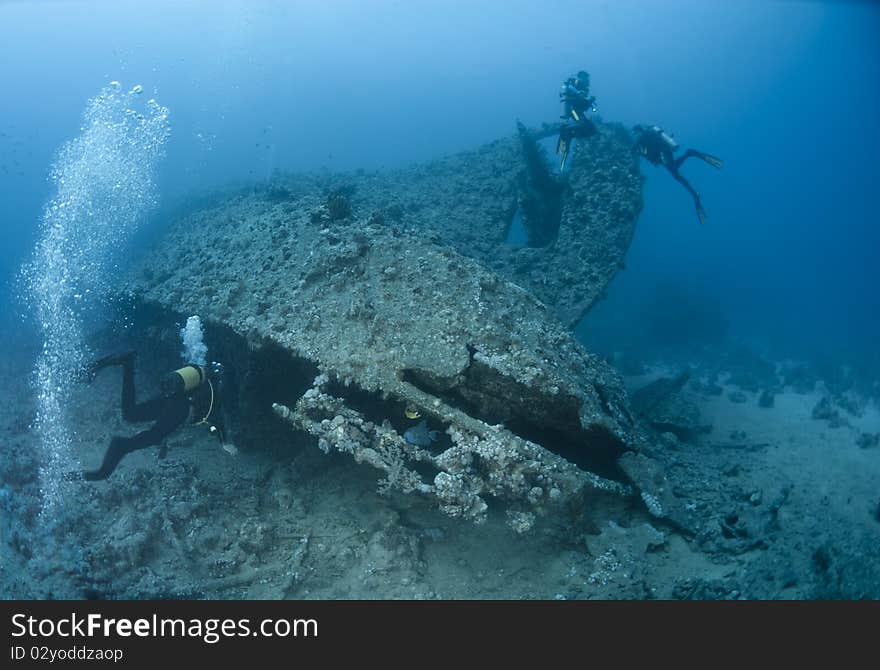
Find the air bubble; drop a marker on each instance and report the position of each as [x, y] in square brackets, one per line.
[104, 184]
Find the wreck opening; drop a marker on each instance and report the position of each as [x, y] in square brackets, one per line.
[254, 375]
[271, 374]
[540, 197]
[550, 422]
[595, 449]
[516, 236]
[374, 406]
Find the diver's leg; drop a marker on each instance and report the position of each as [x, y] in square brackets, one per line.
[701, 213]
[119, 447]
[681, 159]
[105, 362]
[173, 416]
[127, 402]
[714, 161]
[132, 411]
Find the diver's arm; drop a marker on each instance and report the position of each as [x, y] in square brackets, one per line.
[173, 416]
[568, 92]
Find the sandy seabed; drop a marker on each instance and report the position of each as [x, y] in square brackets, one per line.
[788, 508]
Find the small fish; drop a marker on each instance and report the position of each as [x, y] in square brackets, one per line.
[420, 436]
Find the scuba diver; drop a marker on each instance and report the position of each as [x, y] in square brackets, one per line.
[575, 97]
[576, 102]
[191, 390]
[658, 147]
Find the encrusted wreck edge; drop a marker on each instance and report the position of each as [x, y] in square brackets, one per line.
[483, 460]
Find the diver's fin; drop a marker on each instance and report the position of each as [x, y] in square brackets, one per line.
[714, 161]
[701, 213]
[564, 157]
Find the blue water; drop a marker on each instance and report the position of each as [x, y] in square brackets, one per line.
[785, 92]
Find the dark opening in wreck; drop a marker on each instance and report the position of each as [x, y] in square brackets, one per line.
[540, 198]
[594, 449]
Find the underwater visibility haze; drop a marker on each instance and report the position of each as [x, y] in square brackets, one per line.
[439, 300]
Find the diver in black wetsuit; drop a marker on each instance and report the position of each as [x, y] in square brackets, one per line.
[575, 97]
[576, 102]
[190, 390]
[655, 145]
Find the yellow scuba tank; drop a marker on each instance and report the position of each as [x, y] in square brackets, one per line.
[183, 380]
